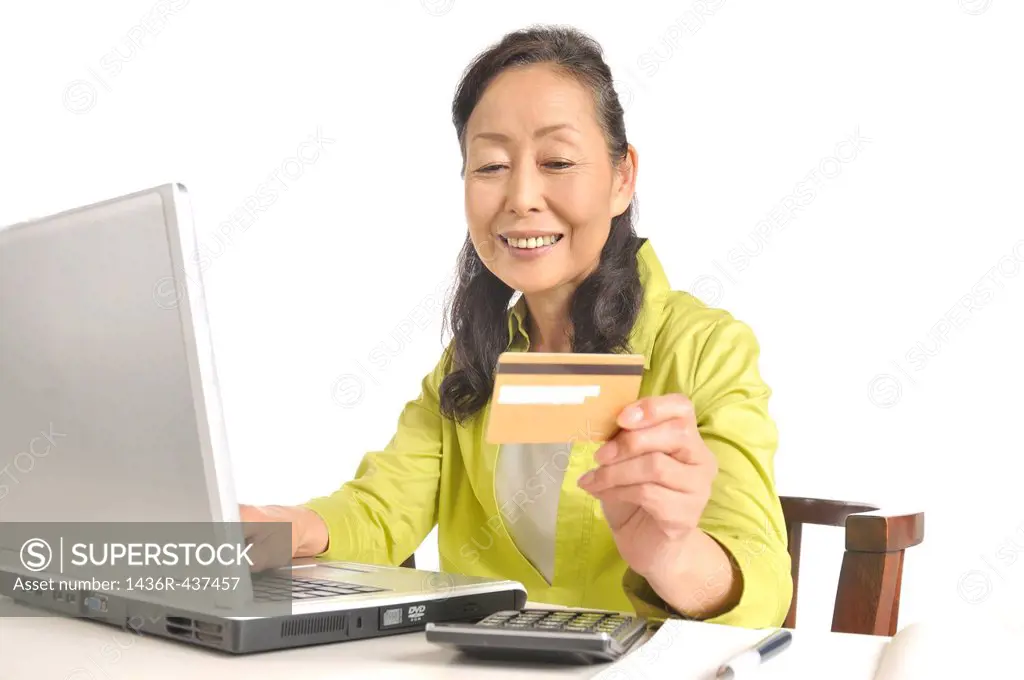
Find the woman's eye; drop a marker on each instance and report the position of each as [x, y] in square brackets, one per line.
[554, 165]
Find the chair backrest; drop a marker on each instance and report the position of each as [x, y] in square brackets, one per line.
[868, 595]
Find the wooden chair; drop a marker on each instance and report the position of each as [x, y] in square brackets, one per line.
[868, 594]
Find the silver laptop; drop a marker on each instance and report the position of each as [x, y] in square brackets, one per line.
[112, 438]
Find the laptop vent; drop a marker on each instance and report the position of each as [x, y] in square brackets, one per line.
[207, 633]
[314, 625]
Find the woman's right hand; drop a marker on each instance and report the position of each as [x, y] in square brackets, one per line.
[308, 531]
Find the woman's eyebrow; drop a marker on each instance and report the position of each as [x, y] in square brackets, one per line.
[539, 132]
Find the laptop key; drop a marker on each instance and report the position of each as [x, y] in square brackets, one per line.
[340, 591]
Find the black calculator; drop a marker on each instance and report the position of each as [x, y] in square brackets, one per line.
[555, 635]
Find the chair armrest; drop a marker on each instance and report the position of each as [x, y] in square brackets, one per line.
[868, 527]
[882, 532]
[821, 511]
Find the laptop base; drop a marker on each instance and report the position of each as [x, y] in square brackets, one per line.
[284, 631]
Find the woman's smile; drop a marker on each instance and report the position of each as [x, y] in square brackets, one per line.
[529, 246]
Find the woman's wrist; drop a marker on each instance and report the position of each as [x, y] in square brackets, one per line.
[703, 582]
[312, 534]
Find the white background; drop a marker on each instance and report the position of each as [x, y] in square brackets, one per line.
[908, 243]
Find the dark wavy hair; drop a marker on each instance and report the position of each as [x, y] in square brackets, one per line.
[605, 305]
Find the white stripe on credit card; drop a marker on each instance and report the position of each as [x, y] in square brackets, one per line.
[546, 394]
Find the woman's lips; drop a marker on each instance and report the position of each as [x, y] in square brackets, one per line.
[529, 253]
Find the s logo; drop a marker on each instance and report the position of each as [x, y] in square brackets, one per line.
[36, 554]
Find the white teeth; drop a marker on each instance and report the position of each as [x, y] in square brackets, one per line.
[533, 242]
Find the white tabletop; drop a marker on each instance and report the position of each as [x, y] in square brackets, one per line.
[62, 648]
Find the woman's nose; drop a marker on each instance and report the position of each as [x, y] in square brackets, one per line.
[525, 190]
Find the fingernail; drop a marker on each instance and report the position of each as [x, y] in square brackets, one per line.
[605, 453]
[586, 479]
[631, 415]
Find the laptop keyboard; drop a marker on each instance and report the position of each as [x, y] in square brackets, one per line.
[279, 588]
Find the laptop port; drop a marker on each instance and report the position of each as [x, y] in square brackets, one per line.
[179, 625]
[210, 639]
[95, 603]
[184, 627]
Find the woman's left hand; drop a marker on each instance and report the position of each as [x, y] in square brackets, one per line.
[653, 480]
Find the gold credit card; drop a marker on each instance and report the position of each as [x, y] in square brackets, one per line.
[561, 397]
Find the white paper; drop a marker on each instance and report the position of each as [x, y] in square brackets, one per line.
[689, 650]
[956, 648]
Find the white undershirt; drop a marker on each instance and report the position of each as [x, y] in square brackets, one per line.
[527, 486]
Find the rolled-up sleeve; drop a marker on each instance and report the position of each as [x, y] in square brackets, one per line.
[744, 513]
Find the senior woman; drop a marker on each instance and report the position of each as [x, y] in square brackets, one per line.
[676, 515]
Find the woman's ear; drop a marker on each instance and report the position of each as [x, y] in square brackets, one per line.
[624, 181]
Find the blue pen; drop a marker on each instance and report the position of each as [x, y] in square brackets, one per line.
[752, 658]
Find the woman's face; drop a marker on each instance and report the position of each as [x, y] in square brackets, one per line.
[541, 189]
